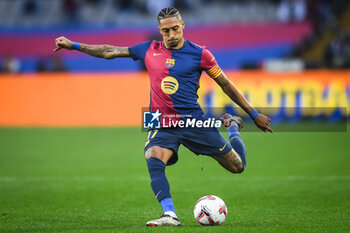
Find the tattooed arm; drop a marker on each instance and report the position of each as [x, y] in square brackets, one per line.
[262, 121]
[103, 51]
[235, 95]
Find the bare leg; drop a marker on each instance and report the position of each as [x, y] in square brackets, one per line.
[230, 161]
[160, 153]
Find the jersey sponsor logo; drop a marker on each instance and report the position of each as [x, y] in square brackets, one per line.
[169, 85]
[157, 54]
[222, 148]
[170, 63]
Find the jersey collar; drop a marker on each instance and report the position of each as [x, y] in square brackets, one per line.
[183, 46]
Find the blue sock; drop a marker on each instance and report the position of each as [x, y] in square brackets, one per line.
[233, 131]
[237, 143]
[167, 205]
[160, 184]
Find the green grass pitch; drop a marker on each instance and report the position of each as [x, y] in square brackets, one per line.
[96, 180]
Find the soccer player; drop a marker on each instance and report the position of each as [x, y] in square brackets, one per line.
[174, 66]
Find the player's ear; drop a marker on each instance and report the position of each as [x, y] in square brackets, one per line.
[159, 28]
[183, 25]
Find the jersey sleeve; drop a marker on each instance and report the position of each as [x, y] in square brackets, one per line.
[209, 64]
[138, 52]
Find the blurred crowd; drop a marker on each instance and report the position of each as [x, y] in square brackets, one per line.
[12, 65]
[324, 16]
[337, 52]
[74, 11]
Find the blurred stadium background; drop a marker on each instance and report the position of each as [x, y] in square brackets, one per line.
[301, 47]
[243, 34]
[280, 53]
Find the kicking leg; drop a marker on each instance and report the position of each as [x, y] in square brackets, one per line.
[157, 158]
[230, 161]
[235, 160]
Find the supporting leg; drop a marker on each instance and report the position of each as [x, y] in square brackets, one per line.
[157, 158]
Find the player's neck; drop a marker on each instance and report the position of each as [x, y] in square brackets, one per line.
[179, 46]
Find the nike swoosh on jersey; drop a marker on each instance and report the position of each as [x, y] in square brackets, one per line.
[222, 148]
[157, 54]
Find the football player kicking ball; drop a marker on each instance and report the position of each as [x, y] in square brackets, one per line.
[174, 66]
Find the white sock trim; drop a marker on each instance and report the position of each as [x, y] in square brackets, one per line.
[171, 213]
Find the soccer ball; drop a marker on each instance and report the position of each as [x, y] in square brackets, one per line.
[210, 210]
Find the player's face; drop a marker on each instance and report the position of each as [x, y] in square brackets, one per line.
[172, 32]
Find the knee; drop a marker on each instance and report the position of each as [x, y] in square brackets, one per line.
[157, 152]
[237, 164]
[238, 169]
[153, 152]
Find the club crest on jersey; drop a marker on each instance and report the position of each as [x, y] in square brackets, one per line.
[169, 85]
[170, 63]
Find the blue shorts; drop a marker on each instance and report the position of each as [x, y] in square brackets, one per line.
[198, 140]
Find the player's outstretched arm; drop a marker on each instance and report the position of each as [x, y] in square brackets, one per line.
[260, 120]
[103, 51]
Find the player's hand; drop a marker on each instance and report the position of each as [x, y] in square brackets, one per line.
[263, 123]
[63, 42]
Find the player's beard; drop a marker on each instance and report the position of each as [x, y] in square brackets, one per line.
[173, 43]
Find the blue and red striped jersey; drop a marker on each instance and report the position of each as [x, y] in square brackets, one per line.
[174, 75]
